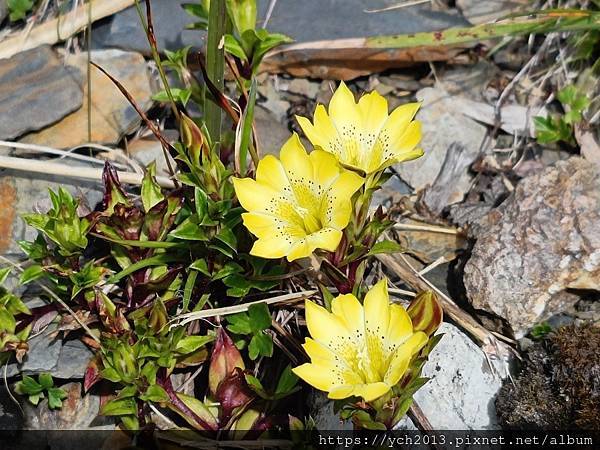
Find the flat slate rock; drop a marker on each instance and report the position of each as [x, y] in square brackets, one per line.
[36, 89]
[112, 116]
[306, 21]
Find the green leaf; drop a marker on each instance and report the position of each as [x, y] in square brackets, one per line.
[110, 374]
[4, 274]
[239, 323]
[190, 344]
[157, 260]
[151, 192]
[32, 273]
[189, 230]
[155, 394]
[385, 246]
[28, 386]
[261, 344]
[131, 422]
[188, 289]
[19, 9]
[55, 397]
[45, 380]
[7, 320]
[255, 384]
[260, 317]
[201, 266]
[128, 391]
[35, 399]
[233, 46]
[179, 95]
[287, 381]
[246, 131]
[120, 407]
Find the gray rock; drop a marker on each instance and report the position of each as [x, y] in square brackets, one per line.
[112, 116]
[77, 413]
[148, 149]
[443, 125]
[541, 242]
[63, 359]
[321, 410]
[272, 98]
[20, 193]
[123, 30]
[310, 20]
[477, 11]
[36, 89]
[469, 81]
[271, 133]
[462, 389]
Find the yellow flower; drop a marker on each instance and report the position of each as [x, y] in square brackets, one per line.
[362, 135]
[359, 350]
[298, 204]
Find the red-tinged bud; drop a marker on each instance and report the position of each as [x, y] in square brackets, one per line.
[426, 313]
[92, 375]
[232, 393]
[225, 358]
[113, 191]
[192, 138]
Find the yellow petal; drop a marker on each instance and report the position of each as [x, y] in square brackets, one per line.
[374, 111]
[346, 185]
[371, 391]
[270, 173]
[337, 208]
[322, 325]
[326, 238]
[295, 160]
[260, 225]
[340, 392]
[300, 249]
[409, 156]
[409, 139]
[316, 351]
[377, 309]
[400, 118]
[314, 375]
[344, 111]
[271, 247]
[253, 196]
[400, 326]
[325, 166]
[401, 358]
[350, 311]
[322, 133]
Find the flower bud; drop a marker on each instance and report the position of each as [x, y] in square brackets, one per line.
[426, 313]
[192, 138]
[225, 358]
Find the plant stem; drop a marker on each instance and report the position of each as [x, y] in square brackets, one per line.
[215, 64]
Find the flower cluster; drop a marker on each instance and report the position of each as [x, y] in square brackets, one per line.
[371, 350]
[301, 202]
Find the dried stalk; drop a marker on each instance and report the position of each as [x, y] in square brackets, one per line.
[64, 170]
[190, 317]
[62, 27]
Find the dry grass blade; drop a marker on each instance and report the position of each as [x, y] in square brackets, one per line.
[429, 228]
[398, 6]
[190, 317]
[165, 145]
[65, 170]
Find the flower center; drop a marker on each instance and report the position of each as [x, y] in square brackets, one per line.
[310, 223]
